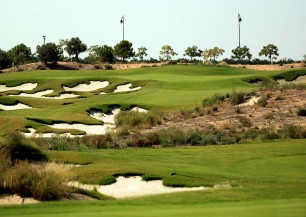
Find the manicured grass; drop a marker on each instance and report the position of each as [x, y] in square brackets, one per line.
[265, 208]
[268, 179]
[167, 88]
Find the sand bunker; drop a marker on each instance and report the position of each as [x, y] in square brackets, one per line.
[14, 107]
[251, 102]
[134, 187]
[15, 199]
[33, 133]
[22, 87]
[41, 95]
[125, 88]
[106, 118]
[94, 85]
[141, 110]
[299, 80]
[88, 129]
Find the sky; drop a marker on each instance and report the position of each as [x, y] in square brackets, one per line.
[154, 23]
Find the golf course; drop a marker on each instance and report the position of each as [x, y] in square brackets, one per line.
[249, 178]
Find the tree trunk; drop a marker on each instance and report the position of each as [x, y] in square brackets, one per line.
[77, 57]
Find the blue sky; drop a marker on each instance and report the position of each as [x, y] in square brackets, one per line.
[179, 23]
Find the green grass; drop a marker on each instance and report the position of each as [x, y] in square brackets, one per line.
[268, 180]
[168, 88]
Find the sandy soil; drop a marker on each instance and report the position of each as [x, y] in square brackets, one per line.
[15, 199]
[281, 109]
[271, 67]
[23, 87]
[79, 66]
[14, 107]
[134, 187]
[250, 102]
[299, 80]
[94, 85]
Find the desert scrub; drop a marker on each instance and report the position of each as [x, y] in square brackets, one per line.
[45, 182]
[237, 98]
[292, 132]
[18, 149]
[245, 122]
[133, 119]
[214, 99]
[263, 101]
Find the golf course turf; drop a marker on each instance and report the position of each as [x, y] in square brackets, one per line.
[266, 178]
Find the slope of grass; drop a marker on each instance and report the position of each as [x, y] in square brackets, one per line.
[165, 88]
[268, 179]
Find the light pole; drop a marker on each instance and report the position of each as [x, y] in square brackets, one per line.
[44, 37]
[239, 21]
[122, 22]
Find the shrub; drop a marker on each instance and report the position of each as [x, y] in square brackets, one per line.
[133, 119]
[246, 122]
[22, 179]
[292, 132]
[214, 99]
[301, 112]
[237, 98]
[52, 182]
[108, 67]
[20, 151]
[268, 134]
[46, 183]
[263, 101]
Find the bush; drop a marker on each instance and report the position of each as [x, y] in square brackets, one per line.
[18, 150]
[133, 119]
[292, 132]
[301, 112]
[246, 122]
[214, 99]
[237, 98]
[48, 182]
[108, 67]
[263, 101]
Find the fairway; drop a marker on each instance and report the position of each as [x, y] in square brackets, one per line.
[268, 179]
[167, 88]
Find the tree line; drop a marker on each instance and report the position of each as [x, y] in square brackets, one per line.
[51, 53]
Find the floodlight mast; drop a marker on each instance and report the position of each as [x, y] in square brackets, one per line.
[239, 21]
[122, 22]
[44, 37]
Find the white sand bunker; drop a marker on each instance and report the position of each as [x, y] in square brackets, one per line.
[125, 88]
[33, 133]
[14, 107]
[108, 126]
[94, 85]
[22, 87]
[15, 199]
[253, 101]
[134, 187]
[141, 110]
[88, 129]
[41, 95]
[106, 118]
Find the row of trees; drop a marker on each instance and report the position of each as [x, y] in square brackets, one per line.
[51, 53]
